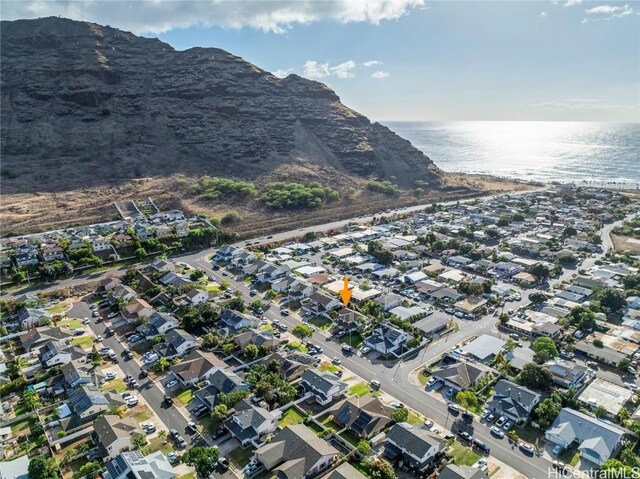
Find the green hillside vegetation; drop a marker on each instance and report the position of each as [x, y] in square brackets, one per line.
[385, 187]
[281, 195]
[211, 187]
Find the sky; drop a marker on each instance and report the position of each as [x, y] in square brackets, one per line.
[394, 60]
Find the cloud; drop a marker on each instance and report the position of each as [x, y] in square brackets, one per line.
[280, 73]
[610, 10]
[544, 14]
[371, 63]
[314, 70]
[572, 3]
[344, 70]
[380, 74]
[159, 16]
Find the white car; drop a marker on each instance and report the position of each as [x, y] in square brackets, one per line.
[428, 424]
[431, 382]
[132, 401]
[110, 375]
[171, 384]
[85, 321]
[631, 386]
[336, 360]
[192, 425]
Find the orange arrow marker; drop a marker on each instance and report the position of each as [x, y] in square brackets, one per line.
[345, 294]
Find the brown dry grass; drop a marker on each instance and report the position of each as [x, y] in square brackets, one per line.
[624, 244]
[28, 213]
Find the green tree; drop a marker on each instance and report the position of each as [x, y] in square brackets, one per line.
[139, 441]
[237, 303]
[569, 232]
[228, 348]
[41, 467]
[545, 349]
[220, 412]
[614, 468]
[537, 297]
[96, 359]
[379, 468]
[140, 252]
[611, 298]
[364, 447]
[302, 331]
[210, 341]
[31, 399]
[196, 275]
[546, 412]
[251, 351]
[89, 470]
[14, 368]
[467, 399]
[203, 459]
[161, 365]
[257, 304]
[600, 411]
[400, 414]
[535, 376]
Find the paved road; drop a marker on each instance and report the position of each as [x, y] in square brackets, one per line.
[394, 377]
[149, 390]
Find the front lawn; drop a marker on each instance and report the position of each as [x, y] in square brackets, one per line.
[159, 444]
[414, 418]
[297, 346]
[328, 366]
[210, 424]
[464, 456]
[20, 426]
[570, 456]
[359, 390]
[528, 434]
[116, 385]
[185, 396]
[240, 457]
[423, 378]
[84, 342]
[352, 339]
[142, 415]
[321, 322]
[58, 308]
[70, 323]
[291, 417]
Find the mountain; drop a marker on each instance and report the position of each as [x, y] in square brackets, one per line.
[91, 114]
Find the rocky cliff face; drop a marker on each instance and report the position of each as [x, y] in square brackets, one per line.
[84, 104]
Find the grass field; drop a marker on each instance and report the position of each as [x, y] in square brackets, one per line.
[116, 385]
[209, 423]
[297, 346]
[291, 417]
[414, 418]
[185, 396]
[159, 444]
[327, 366]
[529, 434]
[142, 415]
[359, 390]
[464, 456]
[58, 308]
[321, 322]
[84, 342]
[354, 340]
[70, 323]
[314, 427]
[570, 456]
[423, 378]
[350, 437]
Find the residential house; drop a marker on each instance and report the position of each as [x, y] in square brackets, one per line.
[291, 365]
[196, 296]
[567, 374]
[262, 339]
[296, 452]
[137, 309]
[108, 284]
[417, 446]
[387, 339]
[196, 367]
[251, 422]
[242, 258]
[221, 381]
[177, 342]
[100, 243]
[432, 324]
[451, 471]
[513, 401]
[113, 435]
[365, 416]
[462, 375]
[345, 471]
[471, 305]
[162, 266]
[86, 403]
[134, 465]
[484, 348]
[32, 317]
[35, 338]
[605, 395]
[54, 353]
[389, 301]
[320, 304]
[75, 374]
[597, 440]
[51, 253]
[158, 324]
[122, 293]
[234, 321]
[325, 387]
[270, 273]
[176, 280]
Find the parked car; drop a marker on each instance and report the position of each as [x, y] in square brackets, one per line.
[192, 426]
[557, 449]
[431, 382]
[173, 458]
[528, 448]
[171, 384]
[375, 384]
[497, 432]
[481, 445]
[223, 462]
[464, 435]
[453, 407]
[168, 399]
[365, 350]
[501, 420]
[336, 360]
[132, 401]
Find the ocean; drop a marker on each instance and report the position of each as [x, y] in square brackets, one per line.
[568, 152]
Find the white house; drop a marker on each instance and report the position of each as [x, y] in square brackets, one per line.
[417, 445]
[197, 296]
[386, 339]
[325, 387]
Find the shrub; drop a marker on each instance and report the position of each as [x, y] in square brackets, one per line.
[230, 218]
[385, 187]
[281, 195]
